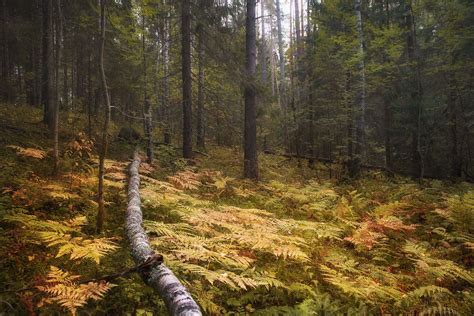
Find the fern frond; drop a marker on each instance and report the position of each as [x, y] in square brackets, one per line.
[228, 278]
[428, 291]
[459, 212]
[456, 237]
[61, 287]
[439, 310]
[29, 152]
[365, 236]
[56, 275]
[169, 230]
[53, 234]
[186, 180]
[437, 268]
[33, 223]
[362, 287]
[93, 249]
[319, 229]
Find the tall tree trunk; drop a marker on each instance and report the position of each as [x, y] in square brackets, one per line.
[310, 85]
[387, 107]
[263, 60]
[105, 136]
[456, 158]
[293, 69]
[250, 126]
[226, 6]
[80, 74]
[296, 104]
[388, 133]
[20, 83]
[350, 122]
[29, 80]
[148, 115]
[38, 62]
[48, 65]
[147, 108]
[5, 56]
[73, 80]
[416, 94]
[200, 140]
[166, 59]
[308, 17]
[302, 18]
[65, 84]
[297, 31]
[282, 87]
[59, 46]
[360, 112]
[186, 75]
[272, 61]
[89, 96]
[157, 75]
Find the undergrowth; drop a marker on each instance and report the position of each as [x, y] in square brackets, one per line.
[295, 243]
[374, 246]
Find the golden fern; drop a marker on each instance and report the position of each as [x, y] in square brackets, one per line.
[33, 223]
[281, 234]
[427, 291]
[186, 180]
[29, 152]
[53, 233]
[360, 286]
[77, 247]
[234, 281]
[62, 288]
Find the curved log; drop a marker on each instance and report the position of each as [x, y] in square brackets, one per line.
[174, 294]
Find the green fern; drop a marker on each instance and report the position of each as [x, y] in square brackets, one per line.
[434, 267]
[60, 235]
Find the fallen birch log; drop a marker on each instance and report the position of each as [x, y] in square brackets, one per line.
[174, 294]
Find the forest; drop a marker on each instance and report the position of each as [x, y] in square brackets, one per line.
[231, 157]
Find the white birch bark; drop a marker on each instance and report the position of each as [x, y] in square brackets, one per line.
[176, 297]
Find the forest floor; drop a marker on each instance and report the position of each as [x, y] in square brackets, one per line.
[297, 242]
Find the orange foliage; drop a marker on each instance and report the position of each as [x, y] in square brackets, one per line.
[372, 231]
[29, 152]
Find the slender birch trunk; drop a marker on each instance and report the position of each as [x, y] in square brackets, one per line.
[186, 77]
[105, 137]
[166, 59]
[147, 108]
[282, 86]
[297, 31]
[272, 60]
[200, 142]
